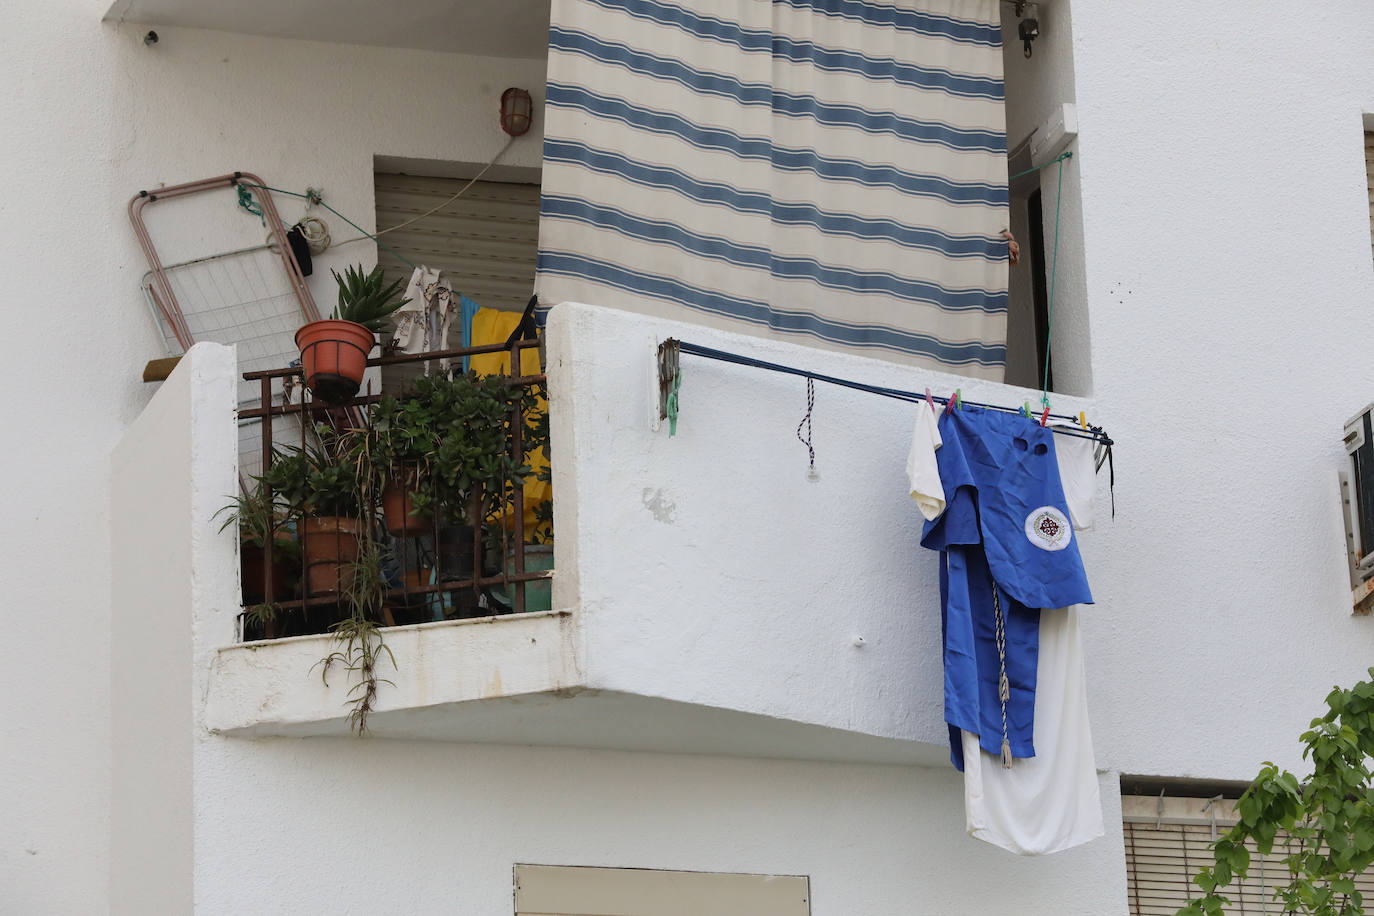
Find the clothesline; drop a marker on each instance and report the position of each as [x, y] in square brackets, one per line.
[1096, 433]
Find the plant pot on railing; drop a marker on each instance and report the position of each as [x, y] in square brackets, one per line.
[331, 546]
[334, 357]
[334, 350]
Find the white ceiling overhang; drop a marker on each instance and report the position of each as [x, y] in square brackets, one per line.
[494, 28]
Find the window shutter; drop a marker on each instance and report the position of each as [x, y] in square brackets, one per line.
[1164, 852]
[1369, 175]
[485, 240]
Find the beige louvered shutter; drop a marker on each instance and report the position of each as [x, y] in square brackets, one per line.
[1369, 174]
[486, 241]
[1164, 850]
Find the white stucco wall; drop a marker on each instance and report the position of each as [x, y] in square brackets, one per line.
[1226, 282]
[91, 117]
[708, 568]
[170, 474]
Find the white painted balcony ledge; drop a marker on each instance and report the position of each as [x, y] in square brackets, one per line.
[709, 598]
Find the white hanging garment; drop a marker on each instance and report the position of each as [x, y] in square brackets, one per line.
[422, 323]
[1078, 473]
[1049, 802]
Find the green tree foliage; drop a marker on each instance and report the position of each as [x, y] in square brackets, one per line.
[1329, 817]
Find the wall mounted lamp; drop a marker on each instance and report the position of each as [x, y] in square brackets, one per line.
[517, 111]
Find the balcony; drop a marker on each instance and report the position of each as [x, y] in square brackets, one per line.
[425, 505]
[708, 597]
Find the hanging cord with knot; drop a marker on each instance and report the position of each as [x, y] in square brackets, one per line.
[1003, 685]
[806, 423]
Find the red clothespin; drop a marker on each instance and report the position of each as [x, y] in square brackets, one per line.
[1045, 417]
[930, 400]
[949, 404]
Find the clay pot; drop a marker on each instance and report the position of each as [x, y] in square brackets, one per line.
[397, 507]
[333, 357]
[330, 545]
[284, 572]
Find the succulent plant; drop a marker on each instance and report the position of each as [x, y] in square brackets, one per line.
[366, 298]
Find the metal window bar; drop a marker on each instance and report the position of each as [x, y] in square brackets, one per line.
[511, 507]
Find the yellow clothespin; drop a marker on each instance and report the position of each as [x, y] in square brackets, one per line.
[1082, 419]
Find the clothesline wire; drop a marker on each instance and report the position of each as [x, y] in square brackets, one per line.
[1092, 432]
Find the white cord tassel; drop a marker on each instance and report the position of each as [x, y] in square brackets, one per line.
[1006, 754]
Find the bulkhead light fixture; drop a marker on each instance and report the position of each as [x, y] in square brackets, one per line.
[517, 111]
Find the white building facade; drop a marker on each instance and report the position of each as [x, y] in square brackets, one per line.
[741, 670]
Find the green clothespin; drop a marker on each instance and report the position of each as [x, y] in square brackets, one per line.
[959, 398]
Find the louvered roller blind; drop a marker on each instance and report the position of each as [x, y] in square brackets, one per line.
[1369, 174]
[1165, 850]
[485, 240]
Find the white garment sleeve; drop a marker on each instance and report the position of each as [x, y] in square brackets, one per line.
[1078, 474]
[921, 469]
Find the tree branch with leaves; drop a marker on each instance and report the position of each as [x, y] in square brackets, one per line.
[1325, 823]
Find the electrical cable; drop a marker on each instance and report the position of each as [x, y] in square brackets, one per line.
[461, 191]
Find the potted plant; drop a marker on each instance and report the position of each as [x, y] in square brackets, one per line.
[397, 446]
[259, 520]
[324, 493]
[334, 350]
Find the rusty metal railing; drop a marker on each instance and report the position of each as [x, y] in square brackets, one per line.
[445, 595]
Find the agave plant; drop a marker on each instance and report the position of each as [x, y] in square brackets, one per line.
[366, 298]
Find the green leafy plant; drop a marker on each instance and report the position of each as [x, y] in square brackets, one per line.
[361, 645]
[1328, 818]
[310, 481]
[367, 298]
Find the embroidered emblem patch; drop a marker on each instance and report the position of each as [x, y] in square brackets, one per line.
[1048, 529]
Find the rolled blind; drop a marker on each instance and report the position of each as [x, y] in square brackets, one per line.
[1165, 850]
[485, 240]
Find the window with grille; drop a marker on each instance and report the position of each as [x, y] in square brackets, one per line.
[1168, 840]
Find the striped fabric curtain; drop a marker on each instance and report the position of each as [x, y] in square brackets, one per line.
[825, 171]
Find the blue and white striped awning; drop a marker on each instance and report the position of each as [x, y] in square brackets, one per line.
[828, 171]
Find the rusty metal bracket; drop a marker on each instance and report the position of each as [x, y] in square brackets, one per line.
[669, 368]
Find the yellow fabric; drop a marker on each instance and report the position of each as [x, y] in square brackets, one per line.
[491, 326]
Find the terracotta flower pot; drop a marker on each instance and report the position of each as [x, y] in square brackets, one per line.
[330, 545]
[397, 507]
[333, 357]
[284, 571]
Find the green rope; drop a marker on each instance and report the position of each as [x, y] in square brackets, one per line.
[1060, 158]
[247, 203]
[672, 404]
[315, 198]
[1054, 271]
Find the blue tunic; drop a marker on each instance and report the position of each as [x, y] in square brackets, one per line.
[1005, 521]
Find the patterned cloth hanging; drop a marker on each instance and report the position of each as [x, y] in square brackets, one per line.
[826, 171]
